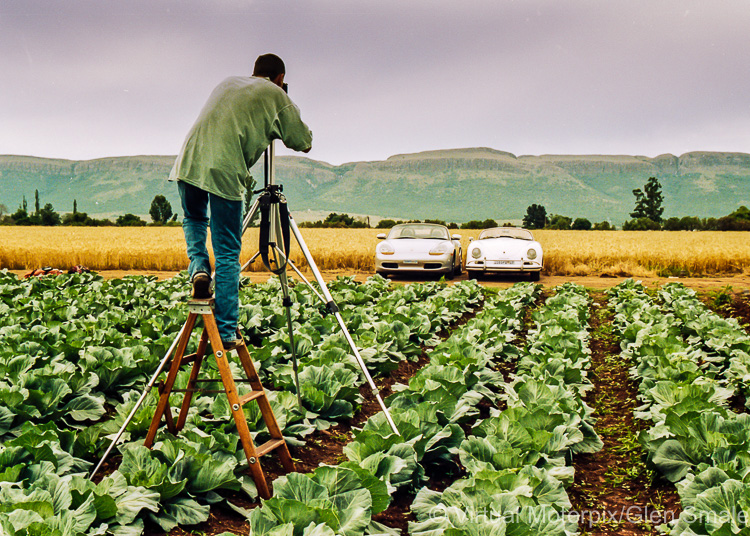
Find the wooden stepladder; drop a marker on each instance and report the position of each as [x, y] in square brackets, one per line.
[204, 309]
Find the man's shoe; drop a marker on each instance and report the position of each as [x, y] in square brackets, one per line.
[201, 286]
[231, 345]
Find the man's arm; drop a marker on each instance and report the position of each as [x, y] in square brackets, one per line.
[293, 131]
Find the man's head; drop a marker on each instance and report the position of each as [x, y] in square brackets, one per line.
[270, 66]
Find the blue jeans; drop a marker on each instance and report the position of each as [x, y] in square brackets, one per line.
[226, 241]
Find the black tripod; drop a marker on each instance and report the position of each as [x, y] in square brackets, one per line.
[275, 242]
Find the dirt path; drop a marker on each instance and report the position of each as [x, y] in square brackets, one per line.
[614, 491]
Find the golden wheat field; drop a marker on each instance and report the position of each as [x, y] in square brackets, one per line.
[623, 253]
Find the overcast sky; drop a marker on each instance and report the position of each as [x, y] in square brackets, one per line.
[84, 79]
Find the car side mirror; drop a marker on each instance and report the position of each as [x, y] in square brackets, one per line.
[456, 237]
[381, 236]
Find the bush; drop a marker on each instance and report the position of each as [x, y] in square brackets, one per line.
[130, 220]
[641, 224]
[581, 224]
[560, 223]
[729, 223]
[476, 224]
[342, 221]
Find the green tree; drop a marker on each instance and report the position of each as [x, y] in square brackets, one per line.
[709, 224]
[641, 224]
[386, 224]
[648, 202]
[36, 202]
[559, 222]
[129, 220]
[77, 218]
[581, 224]
[536, 217]
[21, 215]
[672, 224]
[48, 216]
[161, 209]
[603, 226]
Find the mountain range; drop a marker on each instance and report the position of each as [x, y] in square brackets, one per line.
[453, 185]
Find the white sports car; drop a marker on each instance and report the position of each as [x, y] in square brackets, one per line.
[505, 250]
[419, 247]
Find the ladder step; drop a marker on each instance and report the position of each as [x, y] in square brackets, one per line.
[188, 359]
[216, 380]
[252, 395]
[268, 446]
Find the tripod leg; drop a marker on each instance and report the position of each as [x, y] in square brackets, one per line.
[302, 276]
[143, 396]
[287, 302]
[333, 308]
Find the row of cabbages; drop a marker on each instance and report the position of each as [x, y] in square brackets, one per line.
[430, 414]
[687, 376]
[518, 459]
[726, 343]
[92, 337]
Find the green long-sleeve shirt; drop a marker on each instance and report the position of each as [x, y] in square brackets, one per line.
[241, 117]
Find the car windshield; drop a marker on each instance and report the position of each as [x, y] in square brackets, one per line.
[506, 232]
[416, 230]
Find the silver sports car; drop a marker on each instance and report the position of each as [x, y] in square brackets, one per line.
[505, 249]
[420, 247]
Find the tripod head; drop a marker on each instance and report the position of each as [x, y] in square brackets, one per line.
[275, 189]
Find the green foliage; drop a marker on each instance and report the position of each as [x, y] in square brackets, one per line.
[536, 217]
[559, 222]
[129, 220]
[476, 224]
[687, 223]
[603, 226]
[641, 224]
[160, 210]
[335, 220]
[387, 224]
[648, 202]
[48, 216]
[739, 220]
[581, 224]
[691, 362]
[42, 216]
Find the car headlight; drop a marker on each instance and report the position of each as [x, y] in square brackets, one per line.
[531, 254]
[440, 249]
[386, 249]
[476, 253]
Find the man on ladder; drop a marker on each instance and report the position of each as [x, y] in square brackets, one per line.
[241, 118]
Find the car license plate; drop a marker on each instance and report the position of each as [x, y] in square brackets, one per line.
[505, 263]
[411, 262]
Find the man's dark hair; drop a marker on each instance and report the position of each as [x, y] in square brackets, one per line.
[269, 65]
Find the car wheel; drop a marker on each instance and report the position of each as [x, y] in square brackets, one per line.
[452, 270]
[536, 276]
[458, 267]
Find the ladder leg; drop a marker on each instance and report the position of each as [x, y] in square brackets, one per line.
[171, 377]
[265, 409]
[191, 382]
[234, 404]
